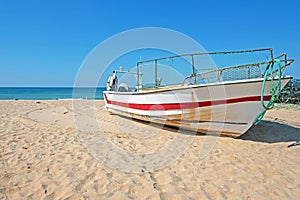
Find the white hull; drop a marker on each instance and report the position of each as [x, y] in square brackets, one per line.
[228, 108]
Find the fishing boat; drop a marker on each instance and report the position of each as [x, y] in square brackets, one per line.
[225, 99]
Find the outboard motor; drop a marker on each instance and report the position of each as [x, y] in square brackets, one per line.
[112, 82]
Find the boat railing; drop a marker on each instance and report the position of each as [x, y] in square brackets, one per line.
[239, 72]
[207, 53]
[126, 72]
[222, 66]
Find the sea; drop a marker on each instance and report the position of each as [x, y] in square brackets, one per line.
[50, 93]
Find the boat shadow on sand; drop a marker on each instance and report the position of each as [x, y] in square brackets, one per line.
[274, 132]
[266, 131]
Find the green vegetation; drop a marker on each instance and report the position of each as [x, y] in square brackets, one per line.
[290, 94]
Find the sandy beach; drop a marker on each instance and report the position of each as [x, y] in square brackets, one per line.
[44, 156]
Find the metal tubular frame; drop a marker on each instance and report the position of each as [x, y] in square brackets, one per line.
[194, 74]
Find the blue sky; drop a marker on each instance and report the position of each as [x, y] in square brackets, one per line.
[43, 43]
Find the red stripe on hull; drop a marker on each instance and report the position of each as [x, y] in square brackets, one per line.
[177, 106]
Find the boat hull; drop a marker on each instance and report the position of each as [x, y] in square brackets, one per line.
[227, 108]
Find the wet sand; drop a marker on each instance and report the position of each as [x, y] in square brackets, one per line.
[43, 156]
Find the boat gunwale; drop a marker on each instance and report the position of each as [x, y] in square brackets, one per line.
[181, 87]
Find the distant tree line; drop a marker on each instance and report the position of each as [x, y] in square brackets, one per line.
[290, 93]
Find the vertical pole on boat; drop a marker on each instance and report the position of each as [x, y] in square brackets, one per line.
[272, 59]
[193, 66]
[155, 73]
[285, 59]
[271, 52]
[138, 77]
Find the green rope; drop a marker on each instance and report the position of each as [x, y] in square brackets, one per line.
[275, 90]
